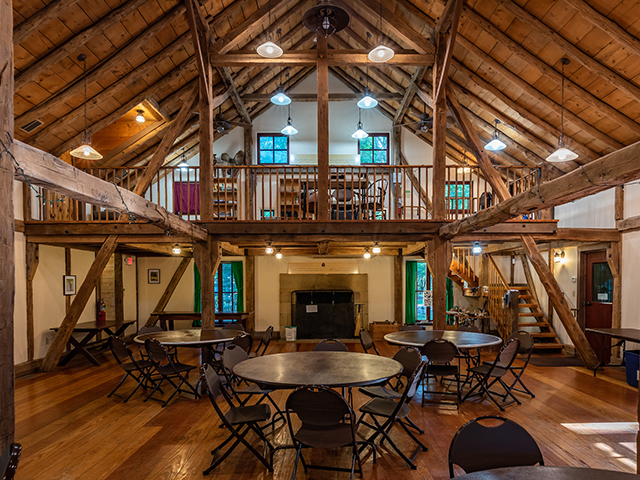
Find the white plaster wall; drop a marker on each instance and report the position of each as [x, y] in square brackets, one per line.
[630, 281]
[268, 270]
[595, 211]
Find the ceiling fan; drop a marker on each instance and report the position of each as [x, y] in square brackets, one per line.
[425, 122]
[223, 126]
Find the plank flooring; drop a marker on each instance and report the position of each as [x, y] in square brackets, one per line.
[69, 429]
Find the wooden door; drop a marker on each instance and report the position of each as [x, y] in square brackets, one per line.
[597, 297]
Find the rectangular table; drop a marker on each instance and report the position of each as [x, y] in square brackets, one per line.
[167, 318]
[91, 329]
[622, 334]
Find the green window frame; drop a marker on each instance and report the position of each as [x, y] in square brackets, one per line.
[458, 196]
[228, 288]
[374, 150]
[273, 149]
[423, 283]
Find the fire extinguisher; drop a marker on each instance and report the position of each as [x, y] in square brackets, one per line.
[102, 315]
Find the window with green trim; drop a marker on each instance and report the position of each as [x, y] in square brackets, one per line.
[273, 149]
[423, 283]
[458, 196]
[374, 150]
[225, 289]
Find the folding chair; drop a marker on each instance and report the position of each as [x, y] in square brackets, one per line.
[242, 340]
[264, 343]
[9, 461]
[395, 413]
[330, 345]
[232, 356]
[487, 375]
[238, 421]
[136, 369]
[167, 371]
[526, 349]
[327, 422]
[367, 342]
[476, 447]
[440, 353]
[153, 329]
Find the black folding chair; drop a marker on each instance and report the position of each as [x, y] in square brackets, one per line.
[440, 354]
[265, 340]
[487, 375]
[395, 413]
[173, 351]
[526, 349]
[232, 356]
[327, 422]
[330, 345]
[138, 370]
[367, 342]
[476, 447]
[167, 369]
[9, 461]
[242, 340]
[238, 421]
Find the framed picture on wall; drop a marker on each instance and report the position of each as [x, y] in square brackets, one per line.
[153, 275]
[69, 284]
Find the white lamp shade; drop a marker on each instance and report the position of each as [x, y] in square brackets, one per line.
[280, 98]
[495, 145]
[87, 152]
[561, 155]
[183, 165]
[269, 50]
[381, 54]
[359, 133]
[289, 129]
[367, 101]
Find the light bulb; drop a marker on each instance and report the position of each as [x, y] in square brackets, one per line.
[477, 249]
[380, 53]
[367, 101]
[86, 151]
[278, 254]
[176, 249]
[269, 49]
[281, 98]
[269, 249]
[367, 255]
[376, 248]
[140, 117]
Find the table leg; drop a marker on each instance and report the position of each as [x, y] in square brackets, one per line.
[79, 348]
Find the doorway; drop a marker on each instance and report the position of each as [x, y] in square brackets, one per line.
[596, 298]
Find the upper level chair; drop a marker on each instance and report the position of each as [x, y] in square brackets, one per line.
[367, 342]
[477, 447]
[408, 327]
[9, 461]
[374, 203]
[327, 421]
[138, 370]
[330, 345]
[343, 204]
[440, 354]
[237, 420]
[265, 340]
[488, 375]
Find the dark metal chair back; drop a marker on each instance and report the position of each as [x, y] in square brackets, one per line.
[157, 352]
[265, 341]
[367, 342]
[319, 408]
[9, 461]
[410, 358]
[121, 352]
[408, 327]
[330, 345]
[477, 447]
[508, 352]
[244, 341]
[526, 341]
[439, 351]
[232, 356]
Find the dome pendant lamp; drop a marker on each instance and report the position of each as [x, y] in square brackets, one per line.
[495, 145]
[562, 154]
[289, 129]
[359, 133]
[85, 151]
[381, 53]
[269, 49]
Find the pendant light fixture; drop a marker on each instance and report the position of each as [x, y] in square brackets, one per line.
[359, 133]
[495, 145]
[289, 129]
[477, 249]
[279, 254]
[562, 154]
[269, 249]
[367, 254]
[279, 97]
[140, 116]
[269, 49]
[367, 101]
[85, 151]
[176, 249]
[183, 165]
[381, 53]
[376, 248]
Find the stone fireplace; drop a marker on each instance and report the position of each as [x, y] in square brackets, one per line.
[358, 283]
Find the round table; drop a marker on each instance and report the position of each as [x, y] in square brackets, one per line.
[195, 337]
[548, 473]
[464, 340]
[331, 369]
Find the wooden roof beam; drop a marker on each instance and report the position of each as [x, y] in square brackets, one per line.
[312, 97]
[410, 92]
[39, 19]
[309, 58]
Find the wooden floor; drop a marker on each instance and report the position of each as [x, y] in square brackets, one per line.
[69, 428]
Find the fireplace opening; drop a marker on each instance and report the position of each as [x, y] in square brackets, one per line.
[321, 314]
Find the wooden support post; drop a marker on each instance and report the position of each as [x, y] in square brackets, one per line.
[439, 252]
[32, 260]
[250, 185]
[67, 271]
[77, 306]
[118, 287]
[323, 130]
[619, 203]
[7, 274]
[439, 150]
[547, 213]
[250, 292]
[397, 289]
[614, 259]
[514, 317]
[207, 256]
[562, 307]
[168, 292]
[552, 268]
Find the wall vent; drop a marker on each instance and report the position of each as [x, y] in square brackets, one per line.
[31, 126]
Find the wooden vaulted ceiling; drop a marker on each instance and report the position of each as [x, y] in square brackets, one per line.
[506, 65]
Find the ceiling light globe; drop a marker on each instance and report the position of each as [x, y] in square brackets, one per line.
[367, 255]
[176, 249]
[280, 98]
[279, 255]
[381, 54]
[477, 249]
[495, 145]
[269, 50]
[376, 249]
[562, 155]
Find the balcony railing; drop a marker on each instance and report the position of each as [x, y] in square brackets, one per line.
[291, 193]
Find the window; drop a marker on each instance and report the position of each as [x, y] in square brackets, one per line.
[374, 150]
[273, 149]
[225, 289]
[423, 283]
[458, 196]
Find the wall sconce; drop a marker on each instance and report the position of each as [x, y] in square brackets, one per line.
[558, 257]
[269, 250]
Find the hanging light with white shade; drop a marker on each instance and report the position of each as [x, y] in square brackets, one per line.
[359, 133]
[85, 151]
[289, 129]
[562, 154]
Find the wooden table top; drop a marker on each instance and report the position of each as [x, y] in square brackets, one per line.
[417, 338]
[331, 369]
[196, 315]
[630, 334]
[548, 473]
[194, 337]
[96, 325]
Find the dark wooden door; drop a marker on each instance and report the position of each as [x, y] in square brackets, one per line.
[598, 295]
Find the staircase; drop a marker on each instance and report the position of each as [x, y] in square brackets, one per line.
[531, 315]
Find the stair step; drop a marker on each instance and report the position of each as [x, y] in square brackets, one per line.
[533, 324]
[548, 346]
[531, 314]
[525, 296]
[544, 335]
[527, 305]
[518, 288]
